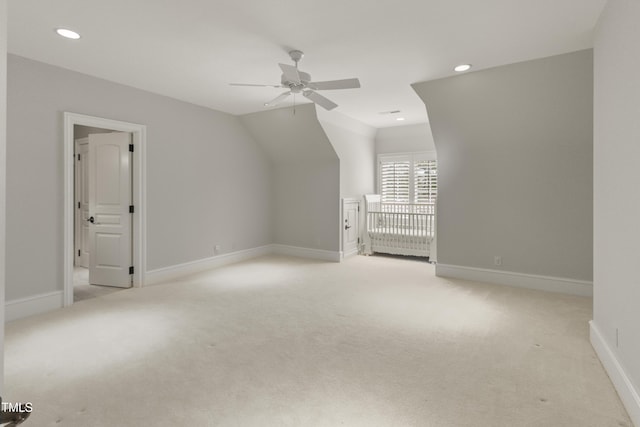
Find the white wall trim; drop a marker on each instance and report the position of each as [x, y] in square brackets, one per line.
[139, 133]
[175, 271]
[351, 253]
[628, 394]
[30, 306]
[300, 252]
[520, 280]
[165, 274]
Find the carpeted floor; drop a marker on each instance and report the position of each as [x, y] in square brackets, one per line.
[277, 341]
[82, 290]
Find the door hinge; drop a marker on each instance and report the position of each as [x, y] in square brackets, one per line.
[131, 209]
[358, 240]
[78, 252]
[358, 208]
[131, 270]
[131, 147]
[78, 205]
[78, 157]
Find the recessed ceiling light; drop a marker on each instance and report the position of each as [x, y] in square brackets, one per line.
[68, 33]
[400, 119]
[462, 67]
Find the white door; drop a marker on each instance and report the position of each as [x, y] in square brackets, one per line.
[109, 218]
[350, 226]
[82, 203]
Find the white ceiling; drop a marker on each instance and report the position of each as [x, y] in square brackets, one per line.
[192, 49]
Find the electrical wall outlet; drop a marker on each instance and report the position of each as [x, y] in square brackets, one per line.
[497, 260]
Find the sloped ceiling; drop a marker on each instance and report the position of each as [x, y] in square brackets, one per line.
[192, 49]
[290, 135]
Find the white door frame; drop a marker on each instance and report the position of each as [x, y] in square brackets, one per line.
[139, 133]
[79, 217]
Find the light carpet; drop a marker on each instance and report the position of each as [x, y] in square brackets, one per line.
[82, 290]
[278, 341]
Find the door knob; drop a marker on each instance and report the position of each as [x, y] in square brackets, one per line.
[91, 220]
[346, 227]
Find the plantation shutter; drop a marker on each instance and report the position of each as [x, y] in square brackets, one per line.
[425, 181]
[395, 176]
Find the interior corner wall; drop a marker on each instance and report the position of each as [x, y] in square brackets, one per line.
[306, 183]
[616, 318]
[3, 164]
[405, 139]
[208, 181]
[354, 143]
[515, 154]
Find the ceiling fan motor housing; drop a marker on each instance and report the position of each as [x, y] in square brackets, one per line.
[295, 87]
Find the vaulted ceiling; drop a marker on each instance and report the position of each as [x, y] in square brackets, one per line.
[192, 49]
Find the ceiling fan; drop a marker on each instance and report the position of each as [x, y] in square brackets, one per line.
[297, 81]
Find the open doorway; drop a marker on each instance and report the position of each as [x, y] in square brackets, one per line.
[104, 206]
[102, 216]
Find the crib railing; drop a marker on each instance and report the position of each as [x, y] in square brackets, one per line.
[401, 223]
[421, 208]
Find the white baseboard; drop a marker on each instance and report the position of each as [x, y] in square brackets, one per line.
[30, 306]
[24, 307]
[172, 272]
[520, 280]
[297, 251]
[628, 394]
[348, 254]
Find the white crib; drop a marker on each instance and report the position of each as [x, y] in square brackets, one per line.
[398, 228]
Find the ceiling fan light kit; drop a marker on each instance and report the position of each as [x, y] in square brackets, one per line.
[297, 81]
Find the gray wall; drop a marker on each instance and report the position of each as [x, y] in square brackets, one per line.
[354, 143]
[306, 176]
[405, 139]
[515, 152]
[208, 181]
[3, 164]
[307, 199]
[616, 177]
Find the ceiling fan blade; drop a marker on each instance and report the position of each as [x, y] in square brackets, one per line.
[249, 84]
[278, 99]
[320, 100]
[335, 84]
[290, 73]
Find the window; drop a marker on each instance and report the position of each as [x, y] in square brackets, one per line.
[411, 178]
[395, 180]
[425, 181]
